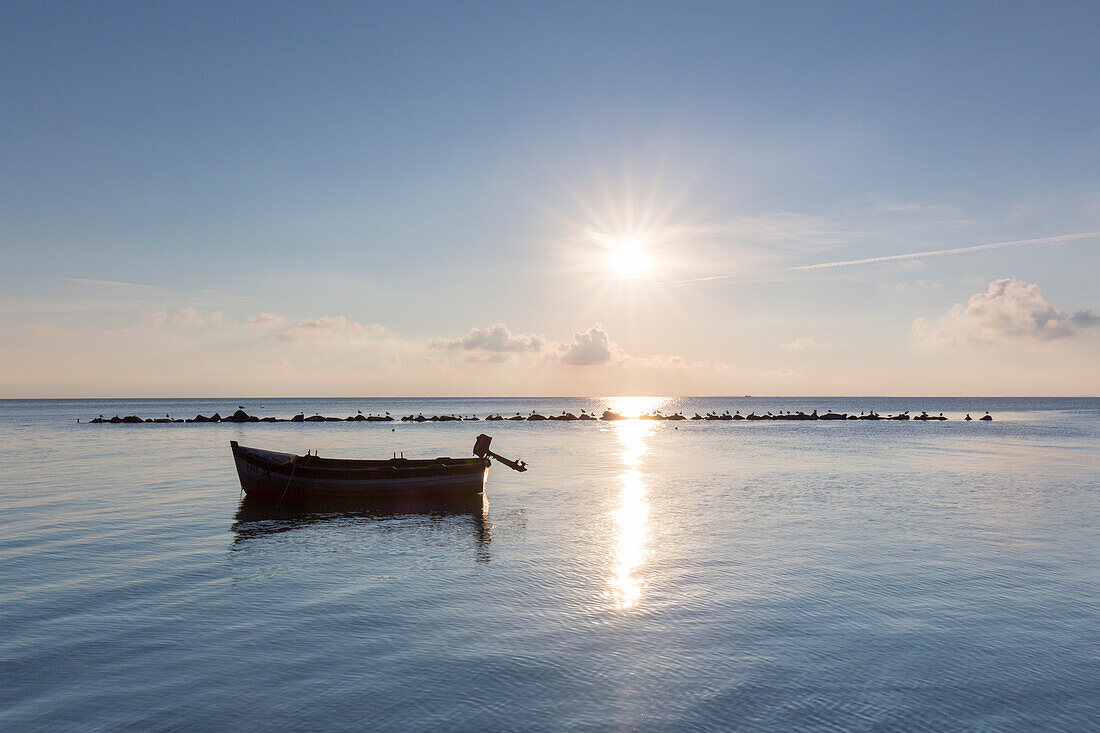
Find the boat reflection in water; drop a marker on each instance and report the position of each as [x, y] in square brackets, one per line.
[631, 518]
[256, 520]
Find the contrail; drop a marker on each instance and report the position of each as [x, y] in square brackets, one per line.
[695, 280]
[914, 255]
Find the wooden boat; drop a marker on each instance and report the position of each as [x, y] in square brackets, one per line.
[285, 477]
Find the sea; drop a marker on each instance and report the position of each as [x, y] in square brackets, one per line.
[641, 575]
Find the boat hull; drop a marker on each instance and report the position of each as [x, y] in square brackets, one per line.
[284, 477]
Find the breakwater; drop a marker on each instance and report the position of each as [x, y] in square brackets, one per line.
[240, 416]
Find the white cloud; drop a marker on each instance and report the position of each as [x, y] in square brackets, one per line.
[594, 347]
[590, 348]
[185, 317]
[800, 344]
[154, 317]
[194, 317]
[264, 319]
[497, 341]
[657, 361]
[1010, 310]
[672, 362]
[329, 328]
[923, 285]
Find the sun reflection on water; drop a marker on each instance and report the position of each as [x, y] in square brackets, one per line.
[635, 406]
[631, 517]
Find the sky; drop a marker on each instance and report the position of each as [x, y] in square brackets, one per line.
[404, 199]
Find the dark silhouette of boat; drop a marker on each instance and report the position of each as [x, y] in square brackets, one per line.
[297, 479]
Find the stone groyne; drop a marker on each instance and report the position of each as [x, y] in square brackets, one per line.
[240, 416]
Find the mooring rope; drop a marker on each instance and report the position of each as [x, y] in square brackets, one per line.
[293, 468]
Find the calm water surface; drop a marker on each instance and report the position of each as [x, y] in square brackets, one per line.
[641, 575]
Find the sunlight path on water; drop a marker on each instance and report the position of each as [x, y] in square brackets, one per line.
[631, 517]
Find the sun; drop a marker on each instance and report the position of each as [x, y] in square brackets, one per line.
[627, 257]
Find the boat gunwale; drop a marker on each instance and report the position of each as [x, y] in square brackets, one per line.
[352, 469]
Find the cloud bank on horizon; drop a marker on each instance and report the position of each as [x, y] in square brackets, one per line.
[339, 356]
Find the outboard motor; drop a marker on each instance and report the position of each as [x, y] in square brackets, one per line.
[481, 450]
[481, 446]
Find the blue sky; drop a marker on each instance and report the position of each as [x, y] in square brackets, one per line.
[425, 170]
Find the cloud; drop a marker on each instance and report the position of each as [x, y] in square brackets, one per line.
[264, 319]
[83, 295]
[590, 348]
[1010, 310]
[194, 317]
[667, 361]
[800, 344]
[657, 361]
[154, 317]
[1085, 319]
[186, 317]
[801, 231]
[766, 243]
[496, 341]
[594, 347]
[329, 328]
[923, 285]
[112, 288]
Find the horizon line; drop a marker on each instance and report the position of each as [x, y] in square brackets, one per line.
[569, 397]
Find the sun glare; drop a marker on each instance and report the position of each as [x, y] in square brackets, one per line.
[635, 406]
[627, 257]
[631, 518]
